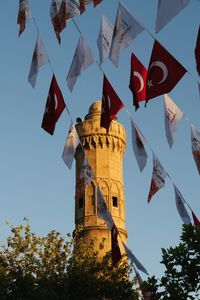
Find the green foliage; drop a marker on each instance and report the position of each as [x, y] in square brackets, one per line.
[181, 280]
[56, 267]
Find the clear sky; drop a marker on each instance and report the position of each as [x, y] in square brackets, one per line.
[36, 183]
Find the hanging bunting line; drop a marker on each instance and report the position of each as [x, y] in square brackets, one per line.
[155, 39]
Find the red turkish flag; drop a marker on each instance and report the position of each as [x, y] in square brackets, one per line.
[115, 250]
[54, 107]
[164, 72]
[137, 83]
[96, 2]
[197, 52]
[111, 104]
[195, 219]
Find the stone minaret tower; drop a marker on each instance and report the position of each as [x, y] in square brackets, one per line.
[105, 155]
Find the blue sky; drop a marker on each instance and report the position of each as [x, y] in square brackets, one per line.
[36, 183]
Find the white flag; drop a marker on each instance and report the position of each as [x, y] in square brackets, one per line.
[138, 146]
[86, 177]
[167, 10]
[39, 59]
[134, 260]
[86, 172]
[105, 38]
[173, 116]
[125, 30]
[83, 58]
[103, 212]
[158, 177]
[195, 140]
[180, 205]
[73, 8]
[58, 23]
[70, 146]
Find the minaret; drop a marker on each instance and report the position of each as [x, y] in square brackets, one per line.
[105, 156]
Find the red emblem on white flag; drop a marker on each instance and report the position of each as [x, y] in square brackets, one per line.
[158, 177]
[103, 212]
[173, 116]
[86, 176]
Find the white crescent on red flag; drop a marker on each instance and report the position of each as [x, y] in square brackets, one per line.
[137, 84]
[111, 104]
[164, 72]
[54, 107]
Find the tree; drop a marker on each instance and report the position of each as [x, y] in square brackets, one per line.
[56, 267]
[181, 280]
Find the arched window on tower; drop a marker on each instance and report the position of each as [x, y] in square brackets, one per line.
[115, 199]
[79, 211]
